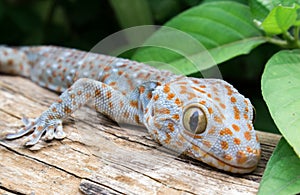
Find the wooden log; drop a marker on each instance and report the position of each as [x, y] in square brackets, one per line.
[100, 157]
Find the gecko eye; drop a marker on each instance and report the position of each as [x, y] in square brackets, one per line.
[194, 120]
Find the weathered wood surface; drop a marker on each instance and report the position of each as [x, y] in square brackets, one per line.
[98, 157]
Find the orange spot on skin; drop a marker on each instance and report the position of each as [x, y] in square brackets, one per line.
[191, 96]
[10, 62]
[217, 99]
[233, 100]
[229, 90]
[256, 137]
[120, 72]
[110, 104]
[112, 83]
[126, 114]
[203, 102]
[195, 148]
[241, 157]
[121, 104]
[224, 145]
[175, 116]
[163, 111]
[249, 149]
[59, 101]
[87, 96]
[168, 138]
[202, 86]
[170, 96]
[183, 89]
[256, 152]
[227, 157]
[250, 127]
[137, 119]
[226, 131]
[67, 110]
[50, 79]
[209, 95]
[97, 93]
[107, 68]
[236, 113]
[72, 96]
[222, 105]
[156, 96]
[212, 131]
[142, 89]
[206, 143]
[108, 94]
[166, 89]
[246, 116]
[177, 102]
[237, 141]
[105, 77]
[236, 127]
[171, 127]
[157, 125]
[247, 135]
[217, 119]
[210, 110]
[134, 104]
[196, 81]
[149, 95]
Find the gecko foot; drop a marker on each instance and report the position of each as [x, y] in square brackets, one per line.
[37, 127]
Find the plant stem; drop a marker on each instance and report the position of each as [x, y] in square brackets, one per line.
[296, 36]
[288, 36]
[279, 42]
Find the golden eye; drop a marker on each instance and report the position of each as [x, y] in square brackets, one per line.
[194, 120]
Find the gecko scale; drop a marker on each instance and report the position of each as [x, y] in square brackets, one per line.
[206, 119]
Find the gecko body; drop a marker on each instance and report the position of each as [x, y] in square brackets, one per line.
[206, 119]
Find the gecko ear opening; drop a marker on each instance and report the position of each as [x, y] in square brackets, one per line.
[194, 120]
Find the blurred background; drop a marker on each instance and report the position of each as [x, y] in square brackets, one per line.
[82, 24]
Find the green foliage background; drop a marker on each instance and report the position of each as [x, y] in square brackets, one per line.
[82, 24]
[226, 28]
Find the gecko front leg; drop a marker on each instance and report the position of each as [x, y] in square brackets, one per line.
[107, 101]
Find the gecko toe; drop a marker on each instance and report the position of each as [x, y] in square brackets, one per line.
[20, 133]
[59, 133]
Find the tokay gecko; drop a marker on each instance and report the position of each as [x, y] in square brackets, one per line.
[206, 119]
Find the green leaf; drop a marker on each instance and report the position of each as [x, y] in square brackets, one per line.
[280, 19]
[261, 8]
[281, 92]
[282, 175]
[224, 29]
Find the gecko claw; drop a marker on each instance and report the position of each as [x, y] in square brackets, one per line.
[38, 127]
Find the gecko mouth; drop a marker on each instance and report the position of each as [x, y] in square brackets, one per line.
[218, 163]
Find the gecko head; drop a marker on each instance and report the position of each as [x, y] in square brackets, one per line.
[206, 119]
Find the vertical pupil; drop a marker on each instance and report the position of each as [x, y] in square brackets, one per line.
[194, 120]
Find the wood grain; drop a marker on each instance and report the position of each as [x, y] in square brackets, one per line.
[100, 157]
